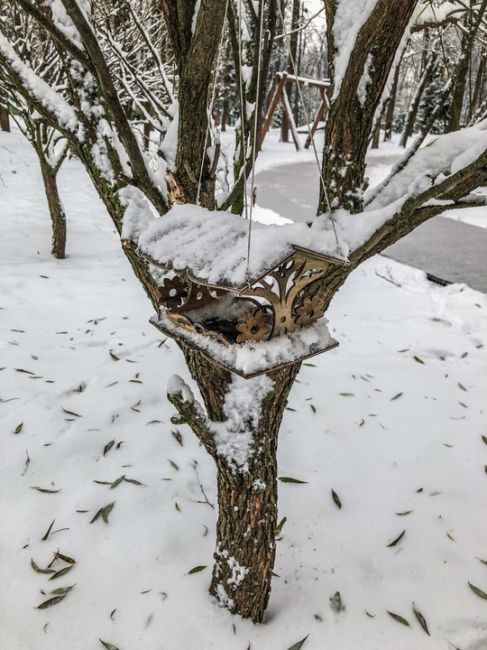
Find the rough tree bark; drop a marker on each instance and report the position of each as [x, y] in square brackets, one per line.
[413, 109]
[391, 105]
[350, 120]
[247, 497]
[56, 210]
[292, 56]
[4, 119]
[195, 54]
[472, 24]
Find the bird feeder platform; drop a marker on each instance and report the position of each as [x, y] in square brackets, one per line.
[249, 316]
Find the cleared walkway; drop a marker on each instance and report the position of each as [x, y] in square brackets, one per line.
[447, 250]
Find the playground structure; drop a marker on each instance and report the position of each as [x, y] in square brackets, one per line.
[279, 96]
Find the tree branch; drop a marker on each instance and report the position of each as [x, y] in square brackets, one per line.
[113, 105]
[63, 41]
[191, 412]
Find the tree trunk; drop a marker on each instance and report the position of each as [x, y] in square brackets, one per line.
[391, 105]
[461, 70]
[376, 136]
[195, 51]
[413, 110]
[460, 83]
[4, 119]
[479, 83]
[351, 115]
[247, 493]
[245, 535]
[58, 218]
[293, 49]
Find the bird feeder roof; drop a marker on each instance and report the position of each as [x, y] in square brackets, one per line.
[211, 246]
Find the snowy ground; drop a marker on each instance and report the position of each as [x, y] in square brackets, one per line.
[392, 421]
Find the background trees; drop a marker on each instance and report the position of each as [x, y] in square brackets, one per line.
[136, 107]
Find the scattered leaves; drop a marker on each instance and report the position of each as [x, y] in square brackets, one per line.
[396, 540]
[418, 359]
[108, 646]
[299, 644]
[37, 568]
[398, 618]
[197, 569]
[289, 479]
[117, 482]
[114, 356]
[48, 531]
[44, 490]
[58, 595]
[108, 446]
[421, 620]
[336, 603]
[104, 513]
[280, 526]
[478, 592]
[397, 396]
[336, 499]
[61, 572]
[68, 412]
[19, 428]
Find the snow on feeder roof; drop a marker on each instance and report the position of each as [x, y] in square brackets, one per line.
[211, 246]
[247, 314]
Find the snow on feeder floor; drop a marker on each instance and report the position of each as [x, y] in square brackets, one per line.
[248, 313]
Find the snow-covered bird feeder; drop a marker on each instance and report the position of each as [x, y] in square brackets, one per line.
[248, 313]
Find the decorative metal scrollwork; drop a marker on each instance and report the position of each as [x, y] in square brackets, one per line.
[271, 306]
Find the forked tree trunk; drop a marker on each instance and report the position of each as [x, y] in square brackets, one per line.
[58, 217]
[247, 495]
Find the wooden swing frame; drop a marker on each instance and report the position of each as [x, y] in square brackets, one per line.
[278, 95]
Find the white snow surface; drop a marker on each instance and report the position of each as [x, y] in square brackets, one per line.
[212, 245]
[420, 452]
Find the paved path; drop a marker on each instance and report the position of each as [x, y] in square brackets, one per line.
[447, 250]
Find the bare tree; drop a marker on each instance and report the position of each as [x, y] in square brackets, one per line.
[50, 146]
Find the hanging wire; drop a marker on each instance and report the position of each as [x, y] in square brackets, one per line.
[211, 106]
[310, 133]
[254, 137]
[242, 109]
